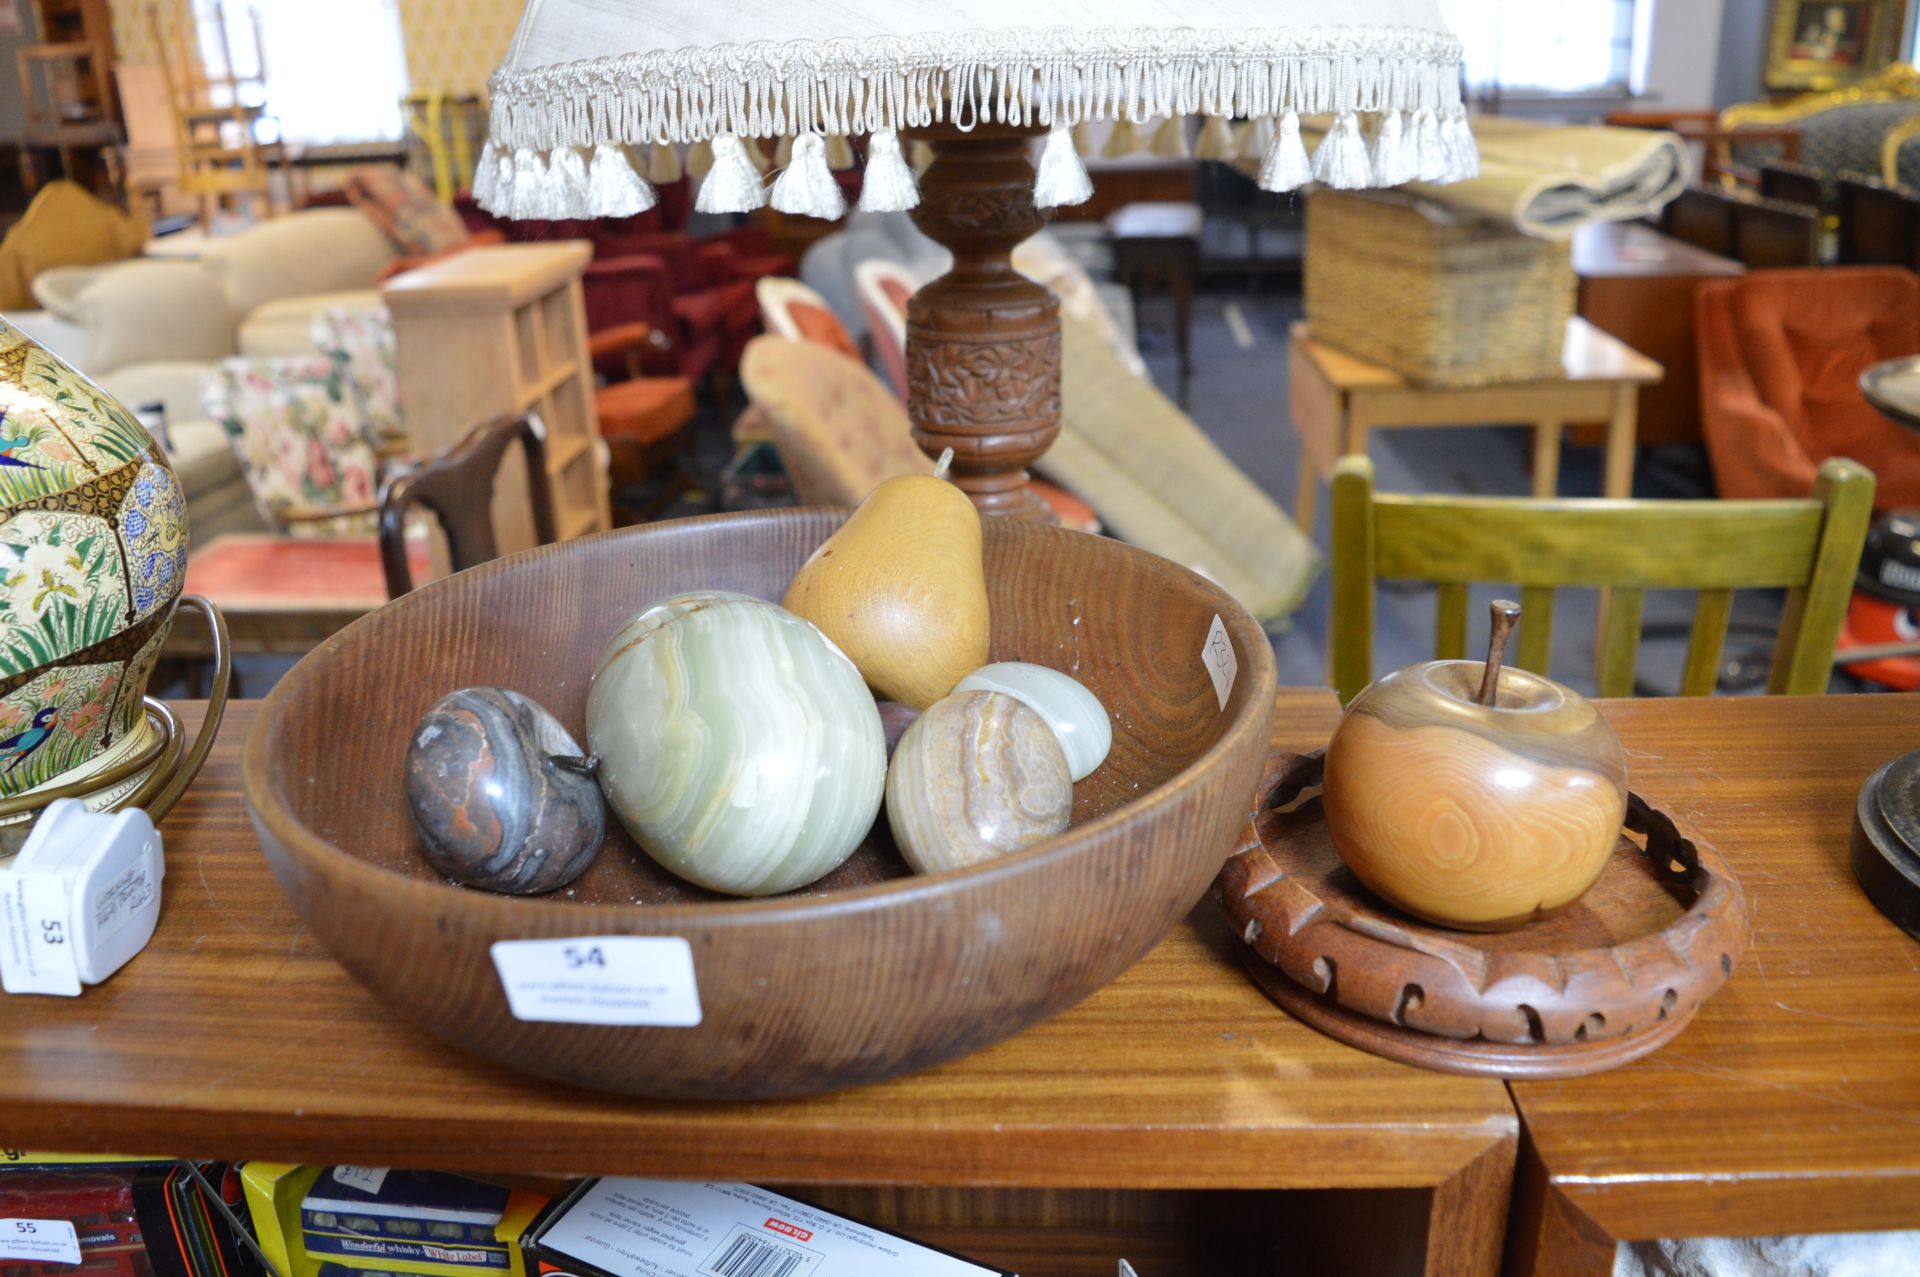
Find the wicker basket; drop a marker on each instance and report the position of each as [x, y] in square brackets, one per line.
[1441, 298]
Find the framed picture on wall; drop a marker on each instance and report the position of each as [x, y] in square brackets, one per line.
[1829, 44]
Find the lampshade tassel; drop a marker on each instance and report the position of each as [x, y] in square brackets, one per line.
[1341, 158]
[614, 188]
[888, 186]
[1430, 152]
[663, 165]
[1286, 166]
[1463, 157]
[1256, 140]
[1391, 152]
[733, 185]
[529, 199]
[566, 184]
[699, 160]
[807, 187]
[486, 176]
[1215, 141]
[1061, 178]
[1170, 139]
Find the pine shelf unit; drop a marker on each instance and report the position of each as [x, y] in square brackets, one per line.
[503, 329]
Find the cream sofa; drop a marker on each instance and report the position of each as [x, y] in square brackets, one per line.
[149, 329]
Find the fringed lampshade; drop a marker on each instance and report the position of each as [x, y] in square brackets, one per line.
[589, 87]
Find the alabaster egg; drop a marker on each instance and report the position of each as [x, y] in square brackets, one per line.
[978, 775]
[1075, 714]
[500, 794]
[737, 745]
[1478, 816]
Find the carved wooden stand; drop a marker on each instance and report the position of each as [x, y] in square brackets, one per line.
[983, 340]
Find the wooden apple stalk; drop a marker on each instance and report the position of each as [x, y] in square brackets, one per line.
[1475, 796]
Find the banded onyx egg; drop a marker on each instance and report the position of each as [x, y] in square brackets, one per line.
[978, 775]
[738, 746]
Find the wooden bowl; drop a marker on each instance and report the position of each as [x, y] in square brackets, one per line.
[870, 972]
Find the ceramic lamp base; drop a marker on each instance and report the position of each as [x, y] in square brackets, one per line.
[150, 769]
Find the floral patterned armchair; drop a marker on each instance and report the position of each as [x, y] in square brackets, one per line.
[311, 431]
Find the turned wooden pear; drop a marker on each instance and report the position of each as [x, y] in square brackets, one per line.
[902, 589]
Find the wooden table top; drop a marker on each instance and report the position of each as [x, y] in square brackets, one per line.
[1792, 1103]
[1615, 250]
[1589, 355]
[235, 1034]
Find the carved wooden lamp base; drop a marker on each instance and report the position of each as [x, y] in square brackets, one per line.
[983, 340]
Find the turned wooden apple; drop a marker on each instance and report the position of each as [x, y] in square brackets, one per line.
[1474, 796]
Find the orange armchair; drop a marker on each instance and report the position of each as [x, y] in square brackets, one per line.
[1781, 353]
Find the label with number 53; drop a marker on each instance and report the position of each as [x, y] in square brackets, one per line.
[600, 980]
[36, 953]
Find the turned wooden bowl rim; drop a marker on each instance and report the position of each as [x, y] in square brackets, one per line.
[1257, 670]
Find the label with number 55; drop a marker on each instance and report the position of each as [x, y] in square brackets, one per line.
[41, 1241]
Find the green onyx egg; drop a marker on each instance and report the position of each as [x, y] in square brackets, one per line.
[739, 747]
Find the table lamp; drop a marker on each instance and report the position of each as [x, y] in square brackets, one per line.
[587, 84]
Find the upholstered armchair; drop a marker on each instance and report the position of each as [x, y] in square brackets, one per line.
[1781, 353]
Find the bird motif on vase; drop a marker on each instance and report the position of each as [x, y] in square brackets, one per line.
[9, 444]
[17, 747]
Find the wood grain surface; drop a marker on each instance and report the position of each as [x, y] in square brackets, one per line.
[236, 1035]
[1792, 1103]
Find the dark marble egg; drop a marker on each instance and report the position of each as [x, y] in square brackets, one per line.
[501, 795]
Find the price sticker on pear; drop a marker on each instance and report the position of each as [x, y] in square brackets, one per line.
[630, 980]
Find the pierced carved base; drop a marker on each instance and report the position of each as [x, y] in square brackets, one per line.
[983, 340]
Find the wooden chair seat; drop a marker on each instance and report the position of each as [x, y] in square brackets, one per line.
[645, 410]
[1810, 548]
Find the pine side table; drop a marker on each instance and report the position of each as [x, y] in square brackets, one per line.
[1337, 400]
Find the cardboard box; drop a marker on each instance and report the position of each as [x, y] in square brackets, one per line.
[664, 1228]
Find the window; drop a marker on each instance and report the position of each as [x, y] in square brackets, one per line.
[1545, 46]
[335, 72]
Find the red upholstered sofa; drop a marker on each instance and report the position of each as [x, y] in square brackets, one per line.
[1781, 353]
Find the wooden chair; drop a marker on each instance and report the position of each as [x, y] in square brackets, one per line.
[1877, 224]
[1702, 218]
[1793, 184]
[227, 144]
[647, 423]
[884, 288]
[457, 488]
[1774, 234]
[1811, 548]
[68, 100]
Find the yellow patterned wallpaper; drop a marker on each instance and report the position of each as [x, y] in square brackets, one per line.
[452, 45]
